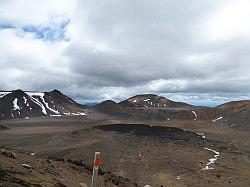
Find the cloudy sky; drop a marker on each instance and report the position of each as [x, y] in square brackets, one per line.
[187, 50]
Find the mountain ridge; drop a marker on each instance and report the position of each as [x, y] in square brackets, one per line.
[153, 101]
[234, 114]
[24, 104]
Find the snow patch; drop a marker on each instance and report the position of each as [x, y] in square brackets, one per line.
[44, 105]
[217, 119]
[32, 94]
[25, 101]
[47, 105]
[55, 115]
[27, 166]
[35, 100]
[78, 114]
[201, 134]
[2, 94]
[82, 114]
[195, 115]
[16, 107]
[146, 100]
[211, 162]
[75, 114]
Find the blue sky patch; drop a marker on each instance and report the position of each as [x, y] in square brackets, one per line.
[50, 32]
[53, 32]
[7, 26]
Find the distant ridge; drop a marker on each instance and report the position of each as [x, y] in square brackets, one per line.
[24, 104]
[235, 114]
[147, 107]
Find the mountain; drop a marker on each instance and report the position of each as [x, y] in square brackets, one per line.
[114, 109]
[235, 106]
[20, 104]
[148, 107]
[25, 104]
[108, 104]
[153, 101]
[235, 114]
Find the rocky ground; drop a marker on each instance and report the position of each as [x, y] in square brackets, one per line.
[60, 150]
[3, 127]
[20, 168]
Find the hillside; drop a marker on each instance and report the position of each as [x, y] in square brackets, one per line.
[153, 101]
[20, 104]
[235, 114]
[148, 107]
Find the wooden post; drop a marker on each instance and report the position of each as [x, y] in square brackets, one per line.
[96, 164]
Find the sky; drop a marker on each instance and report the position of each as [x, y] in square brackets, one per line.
[186, 50]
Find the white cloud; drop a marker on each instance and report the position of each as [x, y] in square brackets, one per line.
[29, 12]
[115, 49]
[230, 21]
[29, 63]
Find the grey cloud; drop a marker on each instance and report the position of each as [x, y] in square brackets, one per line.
[120, 48]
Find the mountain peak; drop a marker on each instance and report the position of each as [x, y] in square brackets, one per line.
[18, 91]
[56, 91]
[151, 101]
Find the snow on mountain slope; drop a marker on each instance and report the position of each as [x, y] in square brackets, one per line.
[20, 104]
[153, 101]
[2, 94]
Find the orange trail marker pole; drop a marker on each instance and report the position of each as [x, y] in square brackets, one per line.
[96, 164]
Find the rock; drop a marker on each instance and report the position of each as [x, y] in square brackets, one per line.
[79, 163]
[83, 185]
[140, 155]
[115, 182]
[101, 172]
[59, 184]
[26, 166]
[48, 161]
[7, 153]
